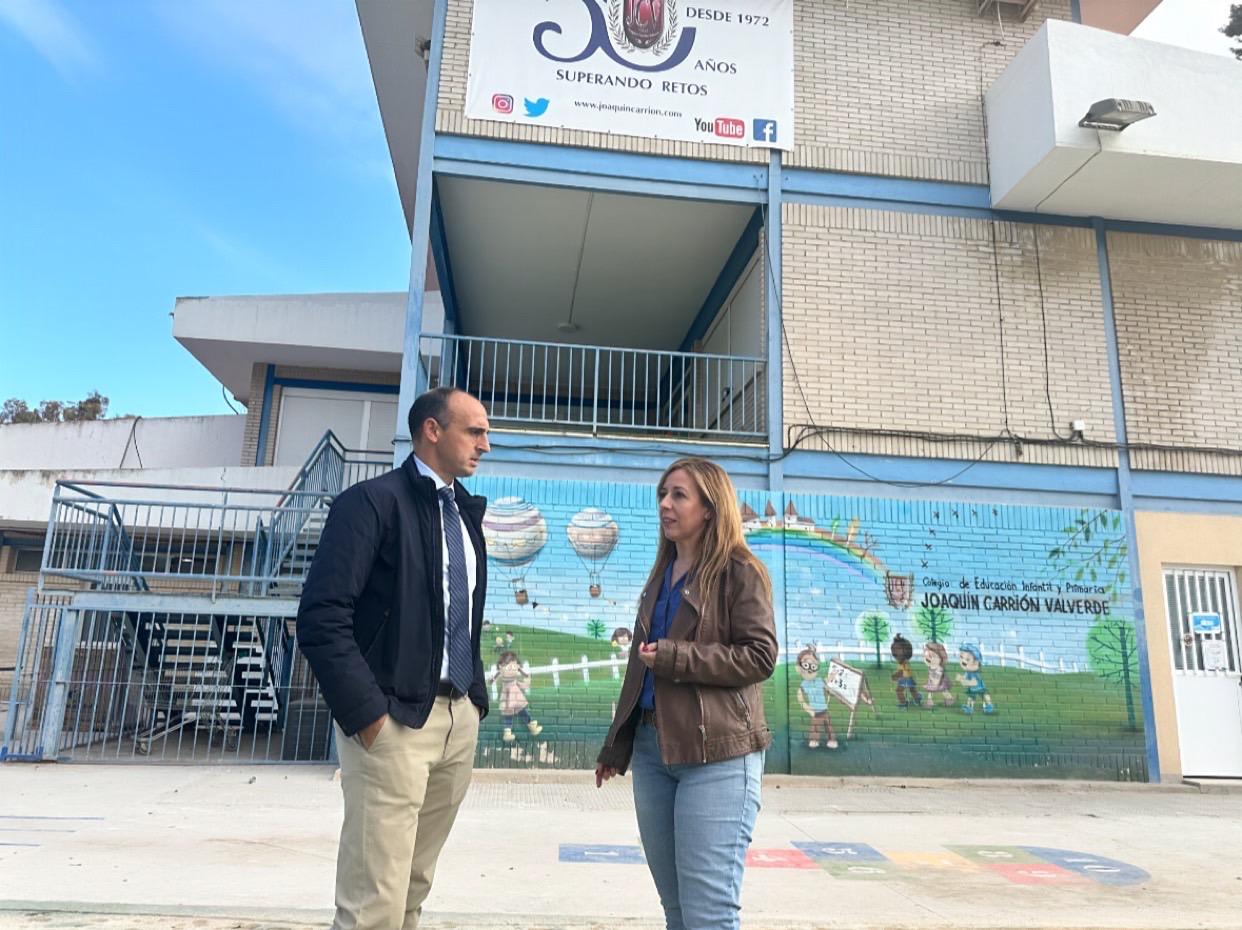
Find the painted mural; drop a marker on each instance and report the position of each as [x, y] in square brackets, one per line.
[918, 638]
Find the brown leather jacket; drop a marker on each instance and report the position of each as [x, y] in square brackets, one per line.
[709, 674]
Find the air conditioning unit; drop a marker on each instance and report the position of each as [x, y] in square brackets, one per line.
[1022, 8]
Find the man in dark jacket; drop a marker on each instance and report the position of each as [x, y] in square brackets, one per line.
[390, 621]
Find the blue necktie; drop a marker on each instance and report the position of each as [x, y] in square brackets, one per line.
[460, 660]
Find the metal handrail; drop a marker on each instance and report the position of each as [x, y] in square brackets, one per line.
[254, 538]
[604, 389]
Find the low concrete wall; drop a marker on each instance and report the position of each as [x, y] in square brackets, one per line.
[141, 443]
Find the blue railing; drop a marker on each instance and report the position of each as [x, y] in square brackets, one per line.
[602, 389]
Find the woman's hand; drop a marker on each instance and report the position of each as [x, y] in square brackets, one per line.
[647, 654]
[603, 773]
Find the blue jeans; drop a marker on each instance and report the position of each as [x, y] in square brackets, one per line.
[696, 823]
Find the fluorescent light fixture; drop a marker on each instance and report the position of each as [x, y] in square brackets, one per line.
[1114, 115]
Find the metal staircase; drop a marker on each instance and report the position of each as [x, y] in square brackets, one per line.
[162, 626]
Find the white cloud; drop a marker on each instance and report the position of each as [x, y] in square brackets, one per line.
[244, 257]
[54, 33]
[305, 56]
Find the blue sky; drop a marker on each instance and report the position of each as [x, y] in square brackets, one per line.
[152, 149]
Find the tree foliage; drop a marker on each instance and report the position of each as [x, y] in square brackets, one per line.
[94, 406]
[596, 629]
[1094, 551]
[1233, 28]
[873, 627]
[935, 623]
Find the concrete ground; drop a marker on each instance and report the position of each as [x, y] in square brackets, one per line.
[209, 848]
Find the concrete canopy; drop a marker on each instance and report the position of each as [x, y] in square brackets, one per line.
[1184, 165]
[361, 332]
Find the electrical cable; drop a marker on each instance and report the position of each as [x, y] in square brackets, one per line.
[225, 395]
[1043, 317]
[133, 438]
[793, 368]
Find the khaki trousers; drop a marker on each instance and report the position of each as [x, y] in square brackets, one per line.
[401, 798]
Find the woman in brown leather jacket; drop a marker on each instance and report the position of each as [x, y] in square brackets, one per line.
[690, 720]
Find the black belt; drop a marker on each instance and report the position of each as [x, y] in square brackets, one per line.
[648, 717]
[446, 689]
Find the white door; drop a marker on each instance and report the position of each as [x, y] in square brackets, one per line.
[727, 389]
[360, 421]
[1202, 606]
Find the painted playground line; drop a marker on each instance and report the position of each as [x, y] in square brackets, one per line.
[1021, 865]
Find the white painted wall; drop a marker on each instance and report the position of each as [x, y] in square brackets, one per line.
[26, 496]
[1184, 165]
[146, 443]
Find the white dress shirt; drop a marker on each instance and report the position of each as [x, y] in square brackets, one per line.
[472, 567]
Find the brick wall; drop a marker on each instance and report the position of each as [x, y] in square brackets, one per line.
[1005, 580]
[891, 320]
[1178, 306]
[254, 413]
[893, 87]
[881, 87]
[13, 587]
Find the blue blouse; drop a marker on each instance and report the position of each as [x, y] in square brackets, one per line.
[666, 606]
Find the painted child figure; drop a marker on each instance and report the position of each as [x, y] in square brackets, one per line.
[971, 660]
[813, 698]
[936, 658]
[513, 702]
[621, 639]
[907, 690]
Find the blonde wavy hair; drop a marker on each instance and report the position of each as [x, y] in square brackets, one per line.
[722, 534]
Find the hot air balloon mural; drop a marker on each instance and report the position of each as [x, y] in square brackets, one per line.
[593, 534]
[515, 532]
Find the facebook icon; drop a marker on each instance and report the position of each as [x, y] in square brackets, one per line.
[765, 130]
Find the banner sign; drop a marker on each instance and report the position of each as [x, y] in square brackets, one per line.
[692, 70]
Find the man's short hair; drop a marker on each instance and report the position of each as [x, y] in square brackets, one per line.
[431, 405]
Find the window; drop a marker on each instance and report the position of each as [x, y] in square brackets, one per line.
[27, 560]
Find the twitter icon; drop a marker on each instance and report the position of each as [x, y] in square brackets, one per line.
[536, 108]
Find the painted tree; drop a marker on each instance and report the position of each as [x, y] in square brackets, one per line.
[935, 623]
[873, 627]
[1094, 550]
[595, 629]
[1112, 650]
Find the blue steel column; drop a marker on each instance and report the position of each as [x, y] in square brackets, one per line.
[1125, 493]
[779, 755]
[772, 238]
[57, 695]
[413, 377]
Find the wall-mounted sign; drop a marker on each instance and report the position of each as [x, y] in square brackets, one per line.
[1205, 623]
[1215, 655]
[702, 71]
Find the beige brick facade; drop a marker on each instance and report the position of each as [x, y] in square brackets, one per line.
[254, 414]
[893, 87]
[892, 322]
[1178, 305]
[13, 588]
[886, 87]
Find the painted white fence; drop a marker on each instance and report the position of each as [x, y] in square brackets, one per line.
[1003, 656]
[555, 668]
